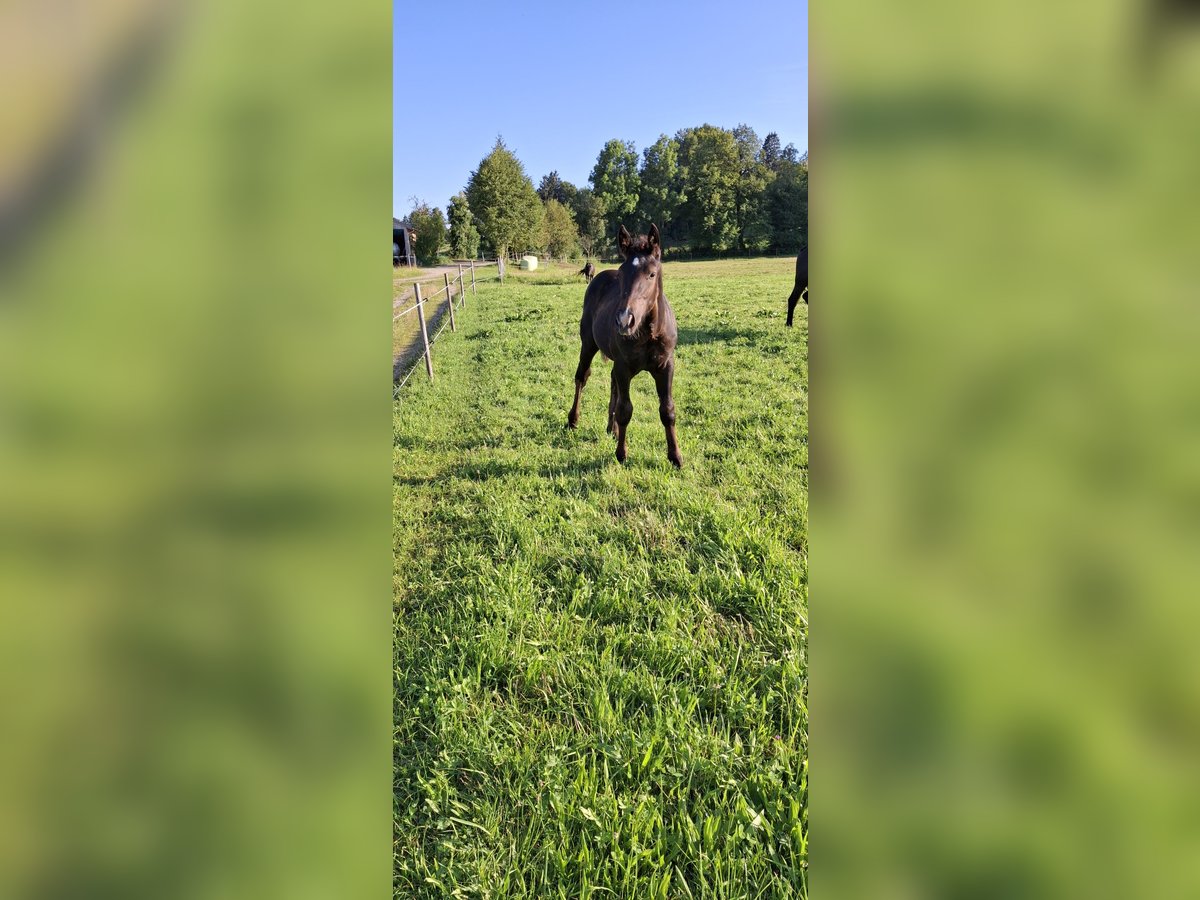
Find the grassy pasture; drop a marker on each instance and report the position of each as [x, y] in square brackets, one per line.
[600, 670]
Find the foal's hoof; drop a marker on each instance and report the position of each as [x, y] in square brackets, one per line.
[572, 421]
[621, 456]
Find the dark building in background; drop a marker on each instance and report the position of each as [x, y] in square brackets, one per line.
[403, 238]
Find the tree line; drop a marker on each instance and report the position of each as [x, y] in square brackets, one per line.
[710, 190]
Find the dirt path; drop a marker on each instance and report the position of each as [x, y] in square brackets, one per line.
[434, 274]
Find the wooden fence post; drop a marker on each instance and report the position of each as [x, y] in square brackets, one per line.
[500, 266]
[474, 293]
[462, 286]
[450, 301]
[424, 331]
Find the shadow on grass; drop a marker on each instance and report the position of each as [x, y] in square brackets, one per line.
[547, 429]
[412, 442]
[690, 336]
[487, 469]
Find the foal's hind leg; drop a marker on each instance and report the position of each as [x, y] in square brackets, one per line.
[586, 353]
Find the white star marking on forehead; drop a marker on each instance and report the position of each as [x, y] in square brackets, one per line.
[637, 261]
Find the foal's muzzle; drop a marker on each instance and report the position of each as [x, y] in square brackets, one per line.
[625, 321]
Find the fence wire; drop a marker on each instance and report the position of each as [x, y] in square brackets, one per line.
[437, 313]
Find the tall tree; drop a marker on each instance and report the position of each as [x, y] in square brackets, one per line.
[590, 218]
[537, 240]
[786, 203]
[709, 168]
[430, 225]
[661, 191]
[753, 176]
[550, 187]
[772, 151]
[616, 183]
[506, 207]
[567, 193]
[464, 236]
[791, 154]
[683, 227]
[562, 236]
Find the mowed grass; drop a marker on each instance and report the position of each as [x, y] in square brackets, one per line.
[600, 670]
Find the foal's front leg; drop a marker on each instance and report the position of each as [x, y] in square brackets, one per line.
[791, 302]
[663, 380]
[623, 409]
[586, 354]
[613, 393]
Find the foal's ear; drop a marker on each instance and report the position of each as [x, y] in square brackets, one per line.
[623, 241]
[655, 244]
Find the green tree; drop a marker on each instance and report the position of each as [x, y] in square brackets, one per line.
[507, 209]
[464, 236]
[562, 235]
[567, 193]
[589, 212]
[616, 183]
[772, 151]
[753, 232]
[709, 169]
[535, 236]
[661, 188]
[786, 204]
[430, 227]
[550, 186]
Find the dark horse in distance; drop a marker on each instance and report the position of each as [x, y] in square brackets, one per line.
[588, 271]
[801, 283]
[626, 317]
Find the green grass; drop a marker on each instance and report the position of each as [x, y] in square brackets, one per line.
[600, 670]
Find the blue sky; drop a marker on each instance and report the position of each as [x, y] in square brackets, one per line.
[559, 79]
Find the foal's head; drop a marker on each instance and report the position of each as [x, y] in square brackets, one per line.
[640, 279]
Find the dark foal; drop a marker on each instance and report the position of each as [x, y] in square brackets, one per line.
[801, 283]
[588, 271]
[626, 317]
